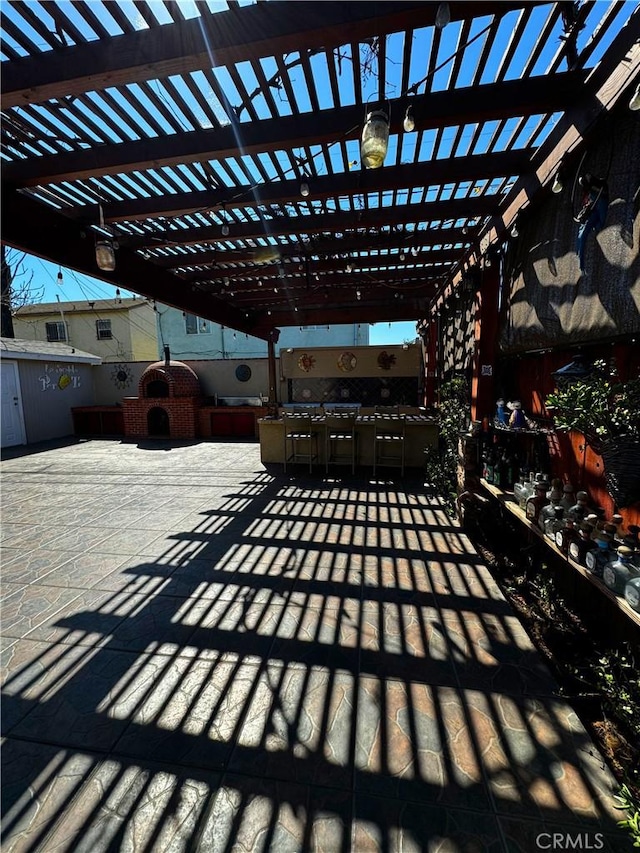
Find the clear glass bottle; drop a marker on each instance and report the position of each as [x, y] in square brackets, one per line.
[537, 501]
[522, 492]
[580, 548]
[618, 521]
[617, 573]
[596, 559]
[555, 492]
[579, 510]
[568, 497]
[632, 593]
[552, 521]
[566, 536]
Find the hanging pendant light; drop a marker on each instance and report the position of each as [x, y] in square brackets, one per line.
[634, 103]
[375, 139]
[558, 184]
[225, 225]
[105, 250]
[304, 189]
[409, 123]
[105, 256]
[443, 16]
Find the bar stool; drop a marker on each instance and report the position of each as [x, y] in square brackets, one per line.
[300, 439]
[340, 439]
[388, 438]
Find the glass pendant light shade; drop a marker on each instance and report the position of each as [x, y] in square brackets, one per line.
[443, 16]
[375, 140]
[634, 103]
[304, 189]
[409, 123]
[105, 256]
[557, 186]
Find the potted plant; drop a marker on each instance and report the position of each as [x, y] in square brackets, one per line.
[607, 412]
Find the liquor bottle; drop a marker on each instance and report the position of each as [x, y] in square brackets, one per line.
[617, 520]
[537, 501]
[579, 510]
[617, 573]
[579, 549]
[524, 491]
[568, 498]
[555, 492]
[592, 520]
[597, 558]
[553, 522]
[632, 593]
[632, 539]
[566, 536]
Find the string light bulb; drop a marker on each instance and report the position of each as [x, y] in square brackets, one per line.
[225, 225]
[409, 123]
[634, 103]
[304, 189]
[60, 277]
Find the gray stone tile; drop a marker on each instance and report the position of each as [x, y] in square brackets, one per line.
[131, 542]
[38, 786]
[31, 606]
[74, 712]
[130, 808]
[83, 571]
[35, 566]
[31, 670]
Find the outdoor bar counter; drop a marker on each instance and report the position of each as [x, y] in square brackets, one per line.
[420, 432]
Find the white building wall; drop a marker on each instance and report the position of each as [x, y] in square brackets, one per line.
[219, 342]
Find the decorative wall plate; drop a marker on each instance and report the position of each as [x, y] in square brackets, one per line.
[347, 361]
[306, 362]
[386, 360]
[243, 373]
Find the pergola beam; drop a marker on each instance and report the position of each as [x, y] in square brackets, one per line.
[209, 41]
[490, 102]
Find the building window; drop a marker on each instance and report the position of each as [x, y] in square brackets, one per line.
[196, 325]
[103, 330]
[56, 332]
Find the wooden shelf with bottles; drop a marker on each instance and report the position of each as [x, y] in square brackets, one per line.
[507, 499]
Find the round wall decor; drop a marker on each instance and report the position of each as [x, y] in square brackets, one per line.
[243, 373]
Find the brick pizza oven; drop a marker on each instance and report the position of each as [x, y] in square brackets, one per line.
[168, 401]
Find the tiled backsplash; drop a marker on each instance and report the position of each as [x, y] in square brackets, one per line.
[401, 390]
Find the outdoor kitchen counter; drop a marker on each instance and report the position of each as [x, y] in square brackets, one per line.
[421, 432]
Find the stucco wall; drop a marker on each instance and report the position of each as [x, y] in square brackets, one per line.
[49, 390]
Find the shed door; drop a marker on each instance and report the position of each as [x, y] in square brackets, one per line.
[12, 420]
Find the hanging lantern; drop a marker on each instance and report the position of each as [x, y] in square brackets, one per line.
[304, 189]
[375, 139]
[105, 255]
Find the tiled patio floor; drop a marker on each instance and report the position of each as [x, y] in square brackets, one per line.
[201, 655]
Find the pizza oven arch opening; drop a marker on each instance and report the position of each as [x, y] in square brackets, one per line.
[157, 388]
[158, 424]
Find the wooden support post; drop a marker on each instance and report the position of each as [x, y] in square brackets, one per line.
[485, 344]
[273, 377]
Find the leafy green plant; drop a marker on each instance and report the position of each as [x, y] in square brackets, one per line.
[627, 802]
[600, 406]
[441, 463]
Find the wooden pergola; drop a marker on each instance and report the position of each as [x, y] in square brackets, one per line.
[183, 134]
